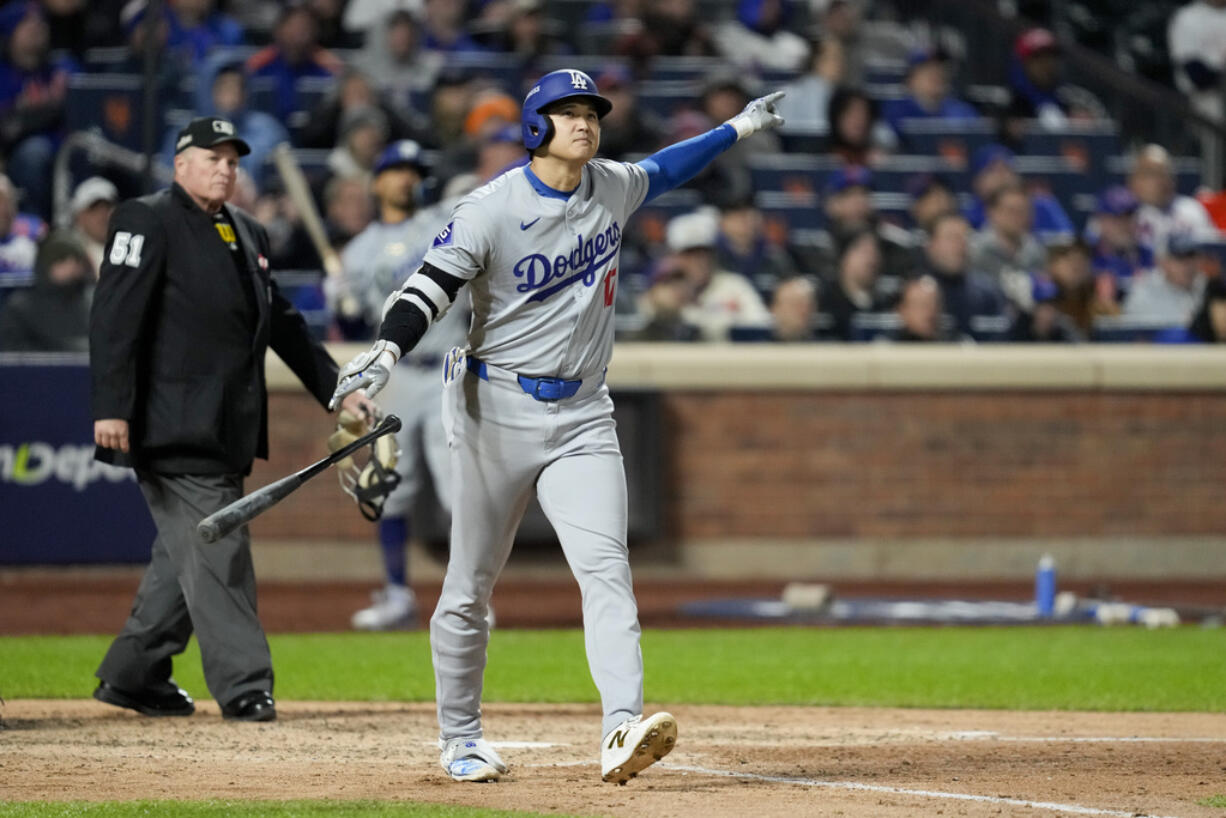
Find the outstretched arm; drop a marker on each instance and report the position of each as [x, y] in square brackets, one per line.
[675, 165]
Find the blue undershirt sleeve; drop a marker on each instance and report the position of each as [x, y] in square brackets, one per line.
[675, 165]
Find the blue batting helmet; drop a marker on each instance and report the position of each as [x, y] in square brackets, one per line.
[554, 87]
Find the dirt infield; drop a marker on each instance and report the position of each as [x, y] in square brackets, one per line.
[729, 761]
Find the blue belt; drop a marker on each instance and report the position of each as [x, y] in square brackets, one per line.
[544, 389]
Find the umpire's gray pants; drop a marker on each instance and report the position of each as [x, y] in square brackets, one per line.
[192, 584]
[506, 446]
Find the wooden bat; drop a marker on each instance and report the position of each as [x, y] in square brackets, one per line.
[247, 508]
[299, 193]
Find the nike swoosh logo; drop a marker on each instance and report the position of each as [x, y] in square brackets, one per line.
[523, 226]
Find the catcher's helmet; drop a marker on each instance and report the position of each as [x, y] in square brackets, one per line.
[554, 87]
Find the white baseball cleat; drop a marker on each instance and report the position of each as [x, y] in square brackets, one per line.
[635, 745]
[471, 759]
[394, 607]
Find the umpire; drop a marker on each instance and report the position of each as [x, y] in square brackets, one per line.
[183, 313]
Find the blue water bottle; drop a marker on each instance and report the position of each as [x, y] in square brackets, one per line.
[1045, 586]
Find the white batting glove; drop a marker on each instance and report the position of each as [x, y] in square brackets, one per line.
[758, 115]
[368, 371]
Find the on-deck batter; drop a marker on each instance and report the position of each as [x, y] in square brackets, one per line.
[376, 262]
[526, 409]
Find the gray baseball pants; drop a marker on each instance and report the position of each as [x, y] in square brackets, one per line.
[506, 446]
[192, 585]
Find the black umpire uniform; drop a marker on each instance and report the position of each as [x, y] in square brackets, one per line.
[183, 313]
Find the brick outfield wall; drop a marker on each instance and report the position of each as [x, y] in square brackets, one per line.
[809, 465]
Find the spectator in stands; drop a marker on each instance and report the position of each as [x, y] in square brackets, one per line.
[76, 25]
[364, 134]
[53, 314]
[356, 90]
[394, 53]
[794, 311]
[991, 169]
[348, 209]
[856, 136]
[18, 236]
[1044, 322]
[661, 306]
[528, 34]
[33, 90]
[806, 106]
[443, 27]
[499, 152]
[966, 293]
[198, 27]
[760, 37]
[1209, 324]
[1037, 90]
[222, 91]
[1170, 292]
[92, 204]
[329, 17]
[928, 93]
[857, 288]
[449, 106]
[1005, 248]
[1068, 265]
[719, 300]
[1163, 210]
[849, 208]
[628, 128]
[920, 312]
[742, 247]
[1115, 238]
[295, 54]
[142, 33]
[1197, 41]
[931, 196]
[843, 20]
[670, 28]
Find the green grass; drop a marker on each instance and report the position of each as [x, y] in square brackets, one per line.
[1213, 801]
[241, 809]
[1066, 668]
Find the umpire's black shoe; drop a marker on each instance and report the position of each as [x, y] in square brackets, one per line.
[254, 706]
[173, 701]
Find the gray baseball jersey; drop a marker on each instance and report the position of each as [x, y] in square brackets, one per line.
[542, 270]
[376, 262]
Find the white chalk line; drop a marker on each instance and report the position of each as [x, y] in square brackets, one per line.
[1075, 809]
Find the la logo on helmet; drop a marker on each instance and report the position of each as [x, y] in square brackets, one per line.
[578, 80]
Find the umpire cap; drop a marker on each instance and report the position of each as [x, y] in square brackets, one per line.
[554, 87]
[208, 132]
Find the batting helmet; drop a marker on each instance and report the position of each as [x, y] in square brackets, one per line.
[554, 87]
[402, 152]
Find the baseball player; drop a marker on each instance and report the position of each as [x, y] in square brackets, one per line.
[376, 262]
[526, 409]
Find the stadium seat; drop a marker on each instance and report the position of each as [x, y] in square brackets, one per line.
[112, 105]
[956, 140]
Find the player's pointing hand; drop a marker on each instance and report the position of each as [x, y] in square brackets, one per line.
[368, 372]
[758, 115]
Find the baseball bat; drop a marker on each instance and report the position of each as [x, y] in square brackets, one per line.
[247, 508]
[299, 192]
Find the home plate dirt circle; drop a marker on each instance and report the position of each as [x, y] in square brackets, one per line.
[729, 761]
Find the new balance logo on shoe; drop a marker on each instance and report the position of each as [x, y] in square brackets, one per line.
[618, 737]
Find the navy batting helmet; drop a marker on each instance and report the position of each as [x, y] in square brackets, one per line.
[402, 152]
[554, 87]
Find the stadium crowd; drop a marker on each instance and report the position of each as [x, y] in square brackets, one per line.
[890, 206]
